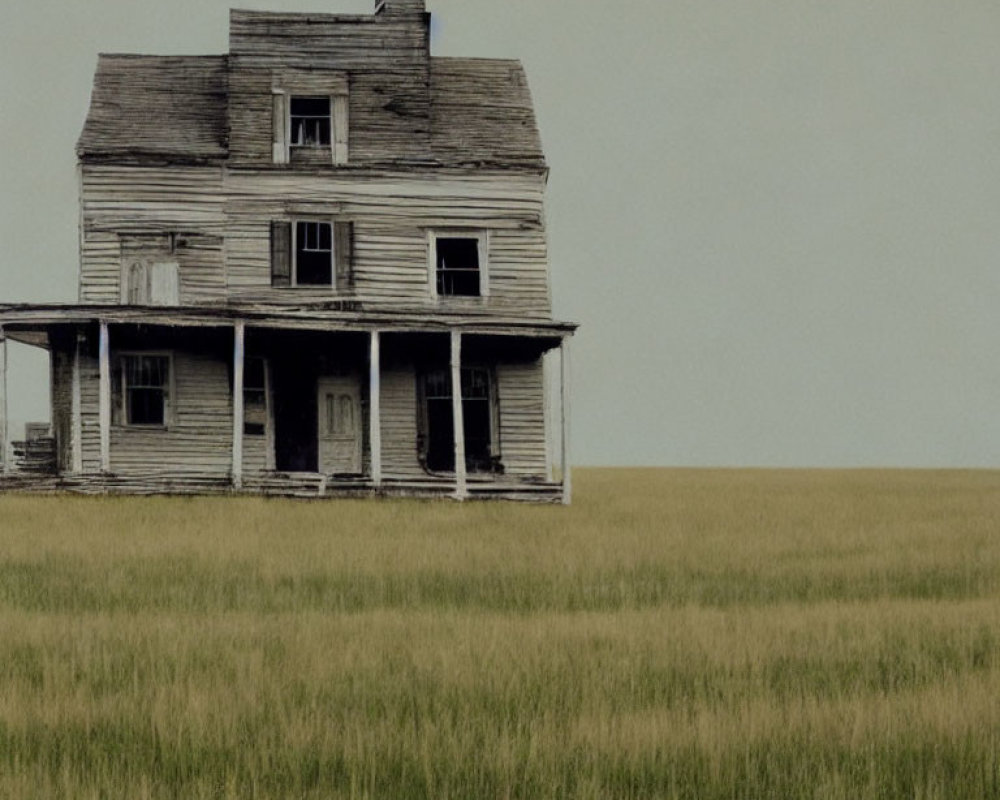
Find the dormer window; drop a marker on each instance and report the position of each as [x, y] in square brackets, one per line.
[309, 118]
[310, 121]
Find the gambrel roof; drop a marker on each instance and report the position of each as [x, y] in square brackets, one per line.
[175, 108]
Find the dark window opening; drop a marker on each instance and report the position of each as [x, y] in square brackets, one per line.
[145, 380]
[310, 121]
[254, 397]
[477, 413]
[457, 266]
[313, 253]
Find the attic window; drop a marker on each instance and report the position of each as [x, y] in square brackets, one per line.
[310, 121]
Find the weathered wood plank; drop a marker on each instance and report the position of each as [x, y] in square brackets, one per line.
[457, 415]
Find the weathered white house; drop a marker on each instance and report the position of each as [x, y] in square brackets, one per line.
[316, 265]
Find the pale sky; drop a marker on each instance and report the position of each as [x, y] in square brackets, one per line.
[777, 221]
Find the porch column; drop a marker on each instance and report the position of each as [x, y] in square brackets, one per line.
[375, 408]
[458, 419]
[239, 336]
[4, 458]
[567, 470]
[76, 420]
[104, 397]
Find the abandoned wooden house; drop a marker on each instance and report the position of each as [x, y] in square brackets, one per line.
[314, 266]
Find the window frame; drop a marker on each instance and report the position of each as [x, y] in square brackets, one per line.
[493, 400]
[482, 237]
[167, 389]
[289, 123]
[307, 84]
[295, 284]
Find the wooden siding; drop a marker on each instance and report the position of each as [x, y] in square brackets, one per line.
[392, 215]
[89, 411]
[120, 202]
[61, 366]
[198, 438]
[521, 399]
[387, 57]
[399, 423]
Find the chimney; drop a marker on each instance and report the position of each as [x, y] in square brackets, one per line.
[400, 7]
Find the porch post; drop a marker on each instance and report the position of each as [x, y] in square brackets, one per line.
[104, 397]
[567, 470]
[375, 408]
[458, 419]
[76, 420]
[4, 457]
[239, 335]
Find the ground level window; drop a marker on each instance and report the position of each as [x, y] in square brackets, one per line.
[477, 412]
[145, 382]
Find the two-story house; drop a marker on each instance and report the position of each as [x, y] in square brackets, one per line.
[316, 265]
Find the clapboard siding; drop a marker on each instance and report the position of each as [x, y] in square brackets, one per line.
[521, 394]
[198, 438]
[121, 203]
[399, 423]
[90, 422]
[61, 365]
[392, 216]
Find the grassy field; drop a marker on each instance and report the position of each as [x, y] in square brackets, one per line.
[674, 634]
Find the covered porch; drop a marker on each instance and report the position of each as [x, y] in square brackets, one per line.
[317, 403]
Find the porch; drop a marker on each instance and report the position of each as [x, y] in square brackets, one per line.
[210, 402]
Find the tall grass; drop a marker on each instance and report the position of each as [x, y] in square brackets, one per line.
[687, 634]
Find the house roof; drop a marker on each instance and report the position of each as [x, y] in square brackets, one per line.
[157, 107]
[481, 112]
[174, 108]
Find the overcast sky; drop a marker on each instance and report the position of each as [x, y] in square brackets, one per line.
[777, 221]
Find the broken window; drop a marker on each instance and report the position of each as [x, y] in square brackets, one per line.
[145, 383]
[254, 397]
[310, 121]
[477, 412]
[459, 264]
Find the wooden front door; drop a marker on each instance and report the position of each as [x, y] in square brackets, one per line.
[339, 424]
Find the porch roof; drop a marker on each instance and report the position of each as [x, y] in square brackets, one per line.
[29, 322]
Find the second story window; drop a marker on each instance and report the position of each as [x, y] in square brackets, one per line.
[310, 121]
[313, 264]
[312, 252]
[458, 263]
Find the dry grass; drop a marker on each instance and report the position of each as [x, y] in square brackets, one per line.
[695, 634]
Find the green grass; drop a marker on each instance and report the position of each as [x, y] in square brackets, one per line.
[688, 634]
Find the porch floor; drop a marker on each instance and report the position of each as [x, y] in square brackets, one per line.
[279, 484]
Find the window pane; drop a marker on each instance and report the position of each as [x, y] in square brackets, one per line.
[458, 266]
[145, 406]
[313, 254]
[310, 121]
[310, 106]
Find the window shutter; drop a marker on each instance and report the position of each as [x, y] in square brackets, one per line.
[279, 122]
[341, 125]
[281, 254]
[343, 236]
